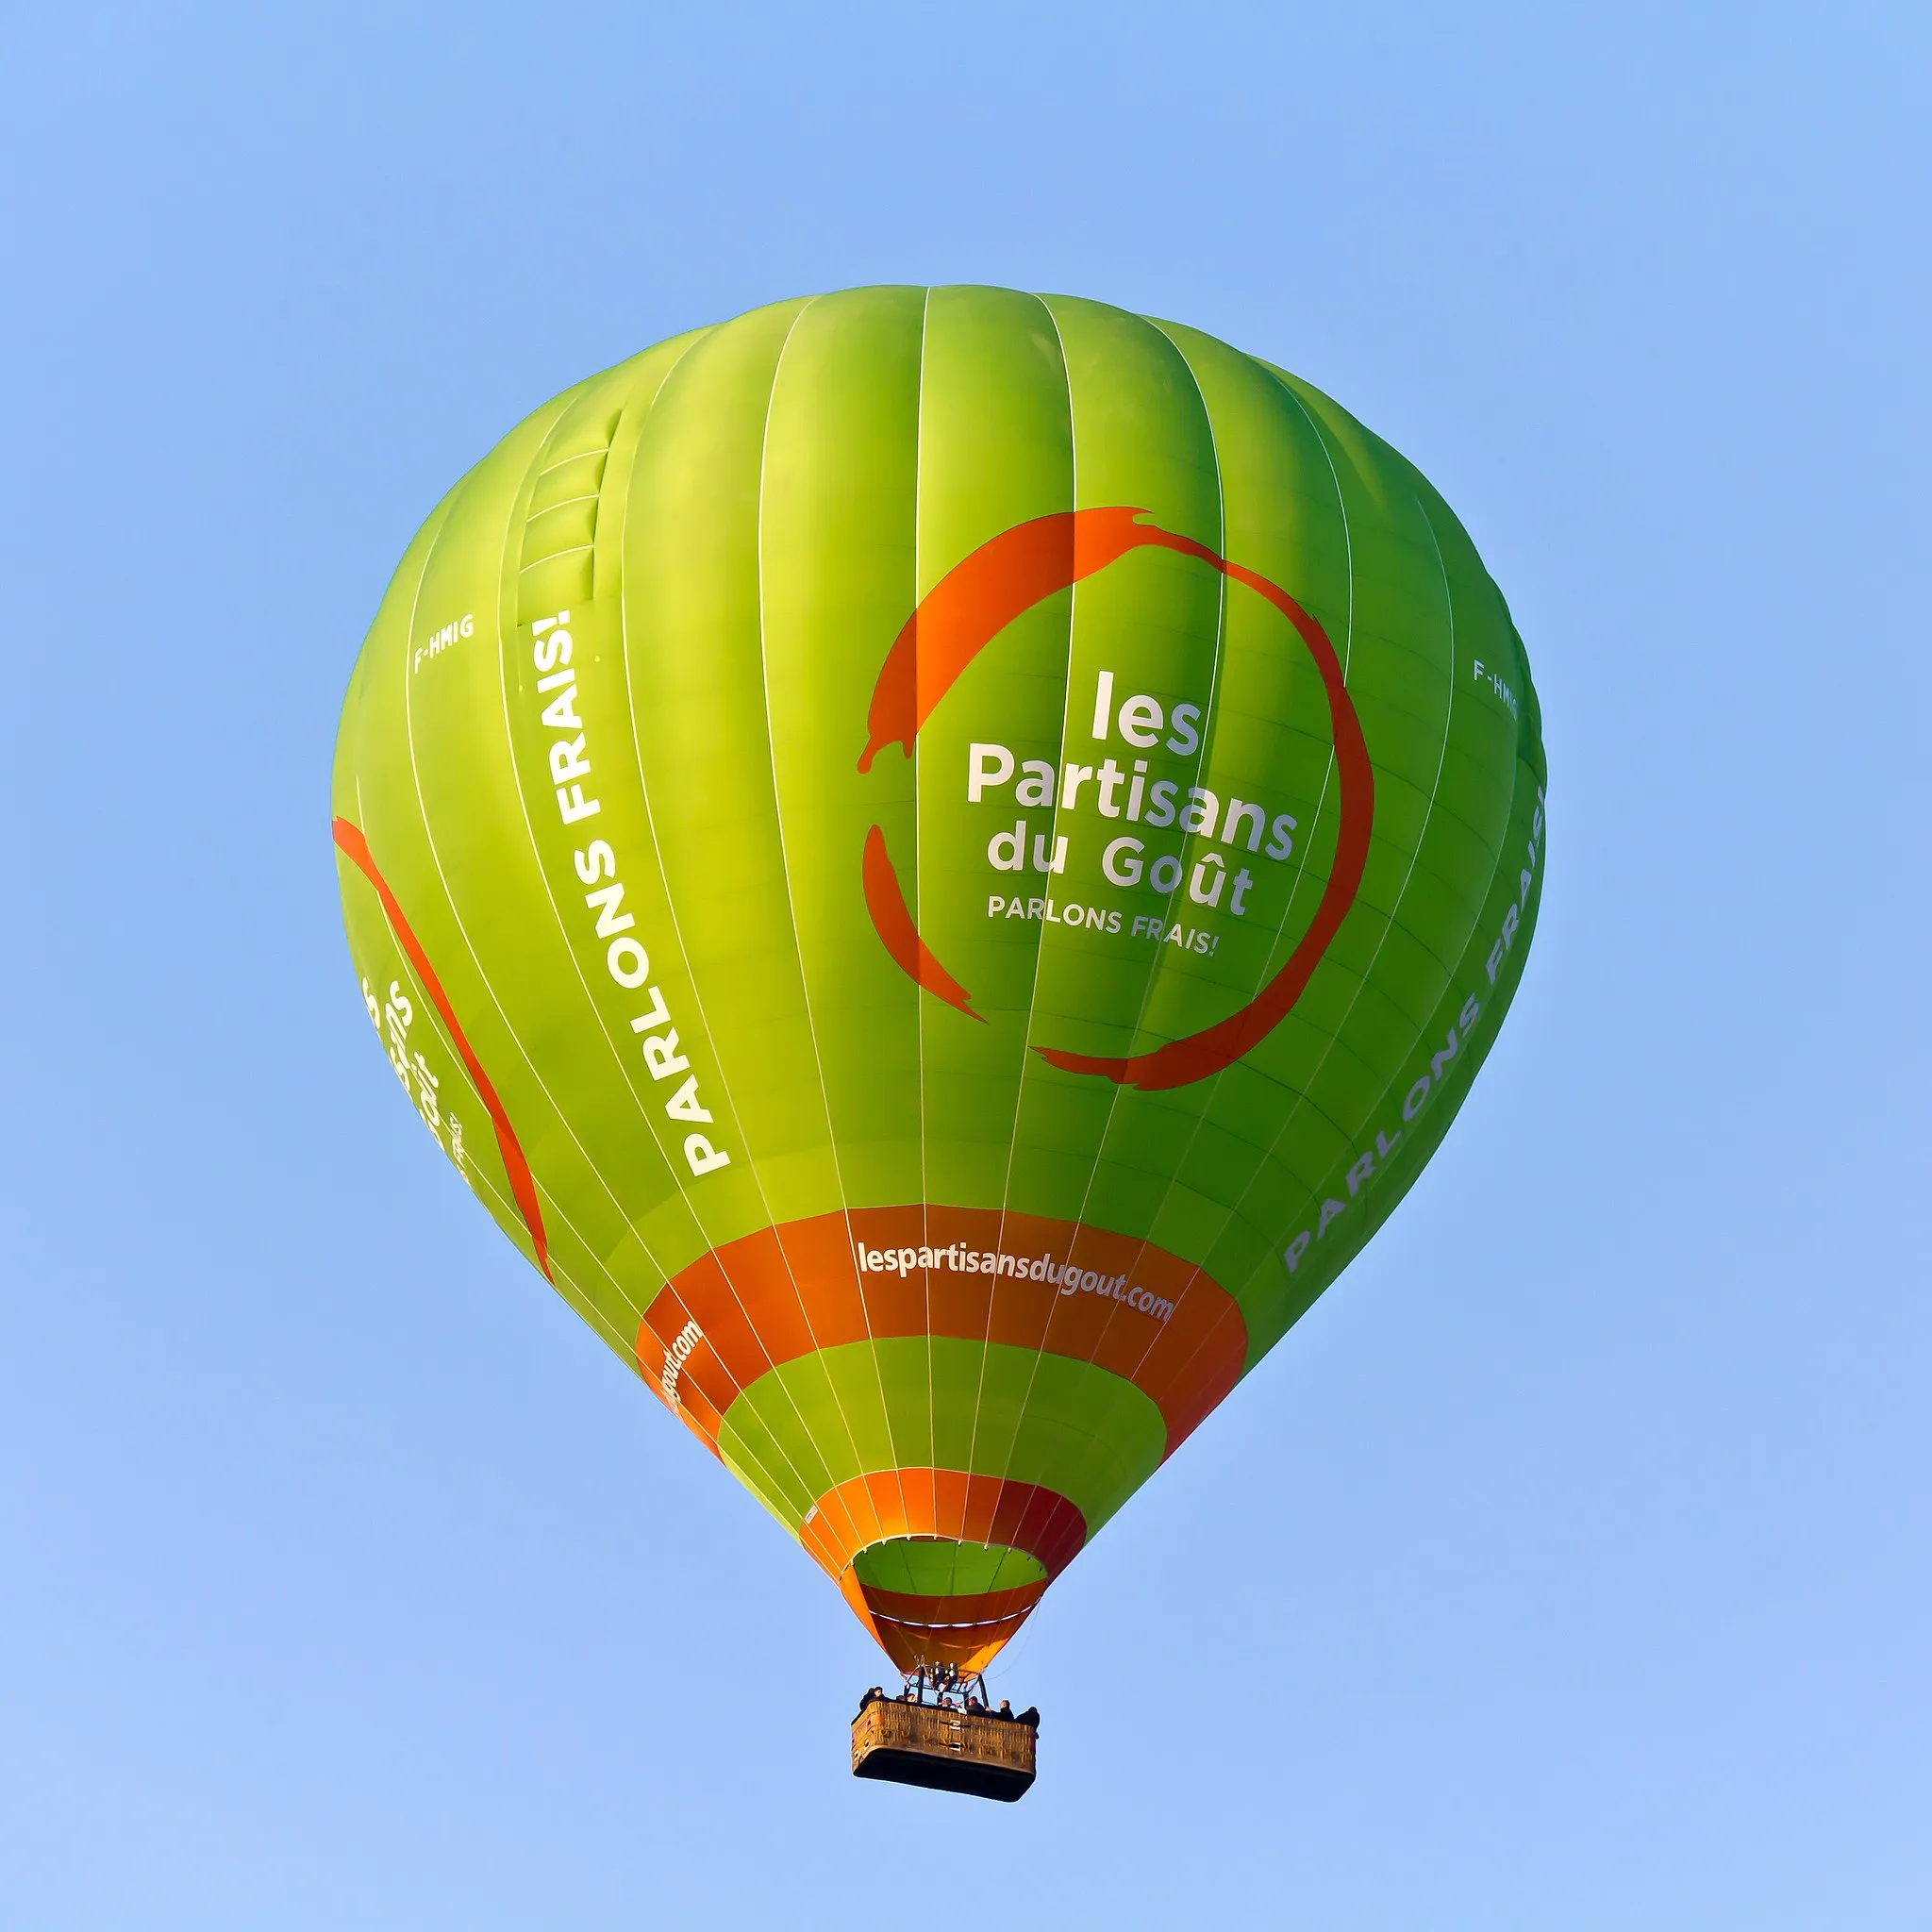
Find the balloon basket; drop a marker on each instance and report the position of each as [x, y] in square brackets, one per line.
[940, 1735]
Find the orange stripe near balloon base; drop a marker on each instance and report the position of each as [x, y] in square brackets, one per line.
[964, 1630]
[990, 1605]
[949, 1502]
[968, 1648]
[768, 1298]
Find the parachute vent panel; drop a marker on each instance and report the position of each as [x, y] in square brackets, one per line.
[562, 523]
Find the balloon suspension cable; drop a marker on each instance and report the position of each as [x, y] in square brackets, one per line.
[945, 1688]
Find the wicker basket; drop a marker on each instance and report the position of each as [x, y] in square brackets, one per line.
[943, 1749]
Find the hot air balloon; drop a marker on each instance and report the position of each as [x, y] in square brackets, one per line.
[939, 861]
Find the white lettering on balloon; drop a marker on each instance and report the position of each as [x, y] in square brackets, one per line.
[959, 1257]
[625, 958]
[1443, 1063]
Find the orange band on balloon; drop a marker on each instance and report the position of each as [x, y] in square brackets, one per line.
[355, 847]
[965, 1631]
[988, 1606]
[753, 1304]
[951, 1503]
[957, 618]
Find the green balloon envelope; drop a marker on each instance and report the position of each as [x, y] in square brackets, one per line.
[940, 860]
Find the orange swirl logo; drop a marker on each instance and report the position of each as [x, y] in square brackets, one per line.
[963, 612]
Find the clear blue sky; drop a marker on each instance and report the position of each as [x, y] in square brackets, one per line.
[1568, 1568]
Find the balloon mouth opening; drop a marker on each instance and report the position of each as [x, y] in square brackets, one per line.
[943, 1600]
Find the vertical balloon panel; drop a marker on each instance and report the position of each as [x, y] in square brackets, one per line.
[995, 451]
